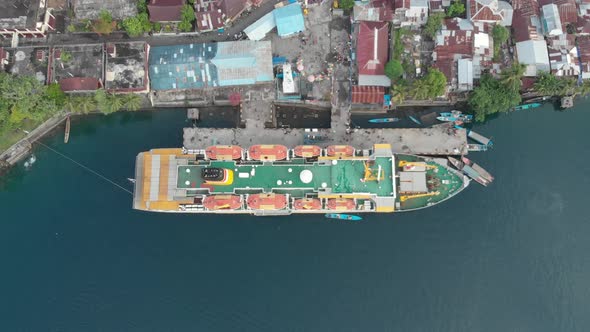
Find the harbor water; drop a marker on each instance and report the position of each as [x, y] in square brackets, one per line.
[510, 257]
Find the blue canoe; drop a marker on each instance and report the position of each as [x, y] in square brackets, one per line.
[527, 106]
[343, 216]
[384, 120]
[415, 120]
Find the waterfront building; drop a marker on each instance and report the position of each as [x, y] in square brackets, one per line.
[77, 68]
[126, 67]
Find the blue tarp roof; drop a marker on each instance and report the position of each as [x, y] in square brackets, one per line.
[195, 66]
[289, 19]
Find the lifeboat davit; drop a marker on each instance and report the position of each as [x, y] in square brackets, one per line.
[267, 201]
[307, 204]
[222, 202]
[268, 152]
[307, 151]
[224, 152]
[341, 204]
[340, 151]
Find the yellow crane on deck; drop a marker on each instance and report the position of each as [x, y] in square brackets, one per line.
[404, 198]
[403, 163]
[370, 174]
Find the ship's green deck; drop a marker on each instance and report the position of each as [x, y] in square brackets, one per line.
[442, 180]
[346, 176]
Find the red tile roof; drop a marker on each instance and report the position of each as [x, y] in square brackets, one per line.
[367, 94]
[231, 8]
[402, 4]
[480, 12]
[584, 48]
[79, 84]
[372, 47]
[165, 10]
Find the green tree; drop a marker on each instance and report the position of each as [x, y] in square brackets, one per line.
[584, 89]
[549, 85]
[394, 70]
[133, 26]
[433, 24]
[430, 86]
[500, 35]
[346, 4]
[141, 6]
[399, 92]
[104, 25]
[22, 98]
[456, 9]
[187, 17]
[53, 92]
[492, 96]
[131, 102]
[511, 77]
[65, 56]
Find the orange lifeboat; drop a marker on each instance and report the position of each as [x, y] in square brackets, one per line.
[222, 202]
[307, 204]
[340, 151]
[341, 204]
[267, 201]
[268, 152]
[307, 151]
[224, 152]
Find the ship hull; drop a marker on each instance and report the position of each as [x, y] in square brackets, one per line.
[339, 180]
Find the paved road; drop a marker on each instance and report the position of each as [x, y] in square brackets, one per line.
[238, 26]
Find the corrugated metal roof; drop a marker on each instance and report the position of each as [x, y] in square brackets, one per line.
[259, 29]
[289, 19]
[534, 54]
[195, 66]
[372, 47]
[367, 94]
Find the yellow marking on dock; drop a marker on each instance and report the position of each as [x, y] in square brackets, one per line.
[175, 152]
[382, 146]
[147, 179]
[342, 158]
[163, 185]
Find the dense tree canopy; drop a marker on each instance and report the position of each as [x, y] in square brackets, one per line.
[188, 16]
[430, 86]
[549, 85]
[394, 70]
[24, 98]
[492, 96]
[456, 9]
[433, 24]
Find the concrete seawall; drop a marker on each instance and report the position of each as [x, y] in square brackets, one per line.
[20, 149]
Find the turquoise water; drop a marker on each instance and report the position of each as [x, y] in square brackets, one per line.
[510, 257]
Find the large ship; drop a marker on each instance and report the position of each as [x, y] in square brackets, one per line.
[276, 180]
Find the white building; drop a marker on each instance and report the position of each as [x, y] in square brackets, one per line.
[533, 53]
[551, 20]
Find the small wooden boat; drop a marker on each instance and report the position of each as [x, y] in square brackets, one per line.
[384, 120]
[477, 147]
[456, 163]
[342, 216]
[67, 132]
[482, 172]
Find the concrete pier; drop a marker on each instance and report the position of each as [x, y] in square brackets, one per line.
[327, 38]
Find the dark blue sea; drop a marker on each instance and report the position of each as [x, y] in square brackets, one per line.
[511, 257]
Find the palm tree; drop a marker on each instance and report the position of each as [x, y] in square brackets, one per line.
[132, 102]
[71, 105]
[511, 76]
[420, 90]
[112, 104]
[400, 92]
[584, 89]
[86, 104]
